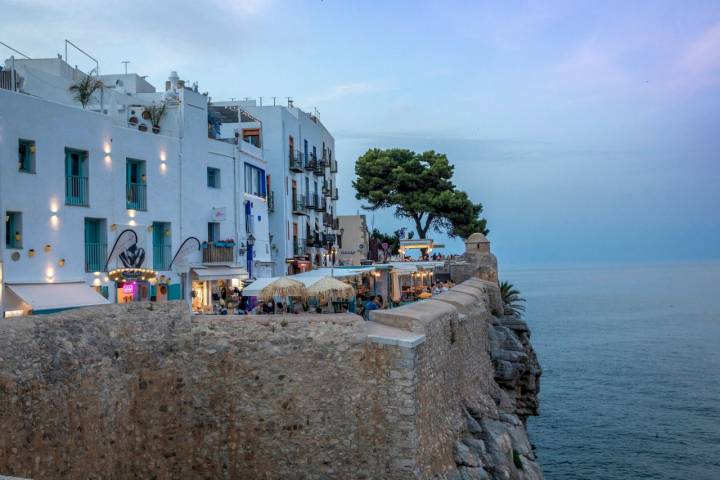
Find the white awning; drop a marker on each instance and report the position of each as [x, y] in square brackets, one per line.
[254, 289]
[52, 296]
[219, 272]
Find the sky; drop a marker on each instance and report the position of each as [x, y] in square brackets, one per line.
[589, 131]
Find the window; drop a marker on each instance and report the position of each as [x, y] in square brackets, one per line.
[26, 156]
[213, 177]
[305, 150]
[162, 241]
[76, 177]
[95, 244]
[213, 231]
[13, 230]
[136, 185]
[252, 136]
[255, 180]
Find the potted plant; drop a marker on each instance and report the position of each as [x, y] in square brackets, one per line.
[133, 120]
[84, 89]
[156, 111]
[146, 115]
[142, 127]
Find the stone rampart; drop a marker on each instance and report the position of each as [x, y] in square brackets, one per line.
[149, 391]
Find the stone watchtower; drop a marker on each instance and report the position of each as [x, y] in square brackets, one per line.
[477, 253]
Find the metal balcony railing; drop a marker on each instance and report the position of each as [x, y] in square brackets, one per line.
[333, 166]
[327, 220]
[335, 194]
[296, 163]
[321, 205]
[299, 246]
[271, 201]
[76, 190]
[95, 256]
[136, 196]
[213, 253]
[162, 255]
[310, 162]
[320, 168]
[312, 201]
[298, 205]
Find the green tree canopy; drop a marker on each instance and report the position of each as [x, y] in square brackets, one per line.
[418, 187]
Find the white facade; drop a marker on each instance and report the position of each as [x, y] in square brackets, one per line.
[301, 164]
[94, 174]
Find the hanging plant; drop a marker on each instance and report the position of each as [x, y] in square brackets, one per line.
[133, 120]
[142, 127]
[156, 112]
[146, 115]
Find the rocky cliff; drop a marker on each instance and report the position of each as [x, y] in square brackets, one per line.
[437, 389]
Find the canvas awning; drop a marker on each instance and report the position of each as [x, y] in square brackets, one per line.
[55, 296]
[219, 272]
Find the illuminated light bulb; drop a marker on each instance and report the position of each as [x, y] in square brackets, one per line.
[163, 167]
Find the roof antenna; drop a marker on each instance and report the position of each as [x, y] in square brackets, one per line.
[125, 62]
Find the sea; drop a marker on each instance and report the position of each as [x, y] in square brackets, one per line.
[631, 369]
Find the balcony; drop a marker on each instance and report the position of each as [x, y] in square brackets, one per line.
[217, 252]
[310, 162]
[312, 201]
[271, 201]
[295, 161]
[321, 205]
[328, 220]
[95, 256]
[333, 166]
[335, 194]
[298, 205]
[320, 168]
[299, 247]
[327, 188]
[136, 196]
[76, 190]
[162, 255]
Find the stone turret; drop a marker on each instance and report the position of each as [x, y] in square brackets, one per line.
[477, 252]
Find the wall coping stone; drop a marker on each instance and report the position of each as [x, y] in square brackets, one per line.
[469, 290]
[384, 334]
[457, 298]
[415, 316]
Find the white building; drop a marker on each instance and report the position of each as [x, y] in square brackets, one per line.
[74, 181]
[300, 154]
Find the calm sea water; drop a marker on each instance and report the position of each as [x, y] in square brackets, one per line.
[631, 359]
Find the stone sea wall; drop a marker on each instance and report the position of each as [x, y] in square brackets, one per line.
[438, 389]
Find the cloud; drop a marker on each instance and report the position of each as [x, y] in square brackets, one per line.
[343, 91]
[699, 63]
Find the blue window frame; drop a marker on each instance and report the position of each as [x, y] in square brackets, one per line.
[162, 241]
[26, 156]
[76, 178]
[136, 185]
[13, 230]
[95, 244]
[255, 181]
[213, 177]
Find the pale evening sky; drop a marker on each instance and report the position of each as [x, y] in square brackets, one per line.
[589, 131]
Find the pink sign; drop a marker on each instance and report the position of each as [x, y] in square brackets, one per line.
[129, 288]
